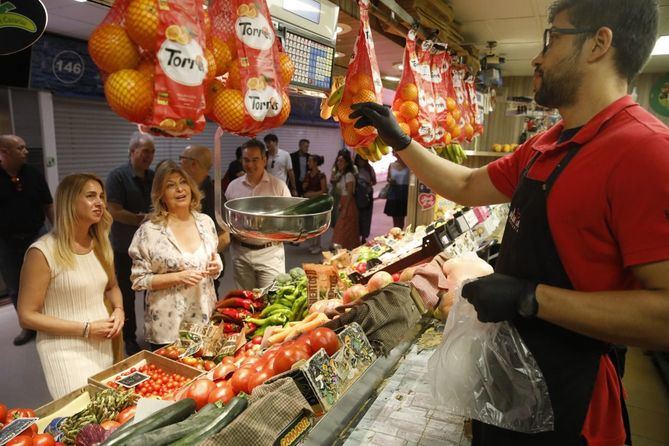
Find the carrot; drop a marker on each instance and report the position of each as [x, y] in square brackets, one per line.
[314, 320]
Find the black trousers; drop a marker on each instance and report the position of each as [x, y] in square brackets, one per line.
[12, 251]
[123, 264]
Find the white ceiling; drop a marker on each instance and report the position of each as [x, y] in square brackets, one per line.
[516, 25]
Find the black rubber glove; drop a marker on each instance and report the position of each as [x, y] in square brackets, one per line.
[498, 297]
[381, 118]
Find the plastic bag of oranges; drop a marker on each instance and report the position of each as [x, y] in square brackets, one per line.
[362, 84]
[253, 97]
[458, 120]
[414, 103]
[476, 115]
[154, 60]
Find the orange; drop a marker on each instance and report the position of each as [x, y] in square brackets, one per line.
[111, 49]
[228, 109]
[414, 125]
[206, 24]
[397, 103]
[211, 65]
[457, 114]
[286, 68]
[283, 115]
[405, 127]
[365, 131]
[455, 132]
[130, 94]
[451, 104]
[447, 138]
[141, 23]
[398, 117]
[147, 68]
[234, 77]
[469, 131]
[409, 92]
[364, 96]
[360, 81]
[214, 87]
[450, 122]
[351, 137]
[409, 110]
[344, 112]
[222, 55]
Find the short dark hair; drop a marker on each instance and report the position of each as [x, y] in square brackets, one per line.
[633, 22]
[238, 152]
[254, 143]
[303, 140]
[270, 137]
[318, 159]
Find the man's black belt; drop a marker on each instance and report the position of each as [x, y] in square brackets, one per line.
[256, 247]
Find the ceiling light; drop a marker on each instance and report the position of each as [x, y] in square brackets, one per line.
[398, 66]
[392, 78]
[342, 28]
[661, 46]
[81, 1]
[339, 54]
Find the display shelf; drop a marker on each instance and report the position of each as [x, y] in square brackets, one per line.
[351, 406]
[486, 153]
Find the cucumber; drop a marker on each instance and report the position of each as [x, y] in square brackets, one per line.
[168, 434]
[315, 205]
[229, 413]
[174, 413]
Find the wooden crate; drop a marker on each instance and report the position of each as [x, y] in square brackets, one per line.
[47, 411]
[139, 359]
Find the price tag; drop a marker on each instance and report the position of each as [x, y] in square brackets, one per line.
[133, 379]
[15, 428]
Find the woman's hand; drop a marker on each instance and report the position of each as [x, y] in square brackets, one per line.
[213, 267]
[190, 277]
[101, 329]
[118, 318]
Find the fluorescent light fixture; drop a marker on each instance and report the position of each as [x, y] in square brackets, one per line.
[398, 66]
[661, 46]
[81, 1]
[392, 78]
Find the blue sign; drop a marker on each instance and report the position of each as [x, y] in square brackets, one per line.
[62, 65]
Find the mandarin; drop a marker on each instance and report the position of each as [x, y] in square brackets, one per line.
[409, 92]
[409, 110]
[359, 81]
[141, 23]
[222, 55]
[228, 109]
[111, 49]
[351, 137]
[286, 68]
[234, 76]
[130, 94]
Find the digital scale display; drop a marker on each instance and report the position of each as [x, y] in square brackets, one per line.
[313, 61]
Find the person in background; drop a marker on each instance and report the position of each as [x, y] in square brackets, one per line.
[584, 261]
[346, 229]
[279, 163]
[25, 200]
[335, 175]
[299, 158]
[313, 185]
[398, 192]
[67, 275]
[364, 196]
[196, 161]
[129, 201]
[175, 257]
[235, 170]
[255, 265]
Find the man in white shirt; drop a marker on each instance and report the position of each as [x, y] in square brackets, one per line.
[279, 163]
[255, 265]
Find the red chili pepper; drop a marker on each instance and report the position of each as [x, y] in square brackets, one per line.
[250, 327]
[231, 328]
[234, 314]
[238, 302]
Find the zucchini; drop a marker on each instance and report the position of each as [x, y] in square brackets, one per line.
[315, 205]
[229, 413]
[174, 413]
[168, 434]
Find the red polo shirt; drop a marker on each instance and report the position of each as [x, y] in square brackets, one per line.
[608, 211]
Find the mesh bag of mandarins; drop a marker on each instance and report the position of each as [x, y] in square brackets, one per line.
[363, 84]
[252, 97]
[155, 62]
[414, 103]
[458, 119]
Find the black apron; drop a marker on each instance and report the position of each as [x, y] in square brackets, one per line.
[569, 361]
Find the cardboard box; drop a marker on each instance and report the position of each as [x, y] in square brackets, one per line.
[139, 359]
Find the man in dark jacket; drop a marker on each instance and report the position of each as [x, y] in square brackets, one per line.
[299, 159]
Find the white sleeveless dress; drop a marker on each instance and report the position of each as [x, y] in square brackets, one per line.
[75, 294]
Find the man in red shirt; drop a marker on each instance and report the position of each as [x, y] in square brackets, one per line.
[584, 262]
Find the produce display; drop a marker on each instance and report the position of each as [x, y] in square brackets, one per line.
[452, 152]
[160, 382]
[504, 148]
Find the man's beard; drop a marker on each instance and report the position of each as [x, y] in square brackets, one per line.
[559, 88]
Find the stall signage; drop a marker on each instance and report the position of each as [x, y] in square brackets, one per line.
[15, 428]
[22, 23]
[426, 201]
[63, 66]
[133, 379]
[659, 96]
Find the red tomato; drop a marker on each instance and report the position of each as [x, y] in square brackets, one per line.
[126, 414]
[44, 440]
[304, 342]
[396, 277]
[257, 340]
[240, 379]
[259, 378]
[288, 356]
[208, 365]
[13, 414]
[20, 440]
[323, 337]
[223, 394]
[109, 424]
[228, 360]
[3, 413]
[199, 391]
[223, 370]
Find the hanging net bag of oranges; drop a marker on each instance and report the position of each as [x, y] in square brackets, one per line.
[414, 103]
[154, 61]
[252, 97]
[459, 118]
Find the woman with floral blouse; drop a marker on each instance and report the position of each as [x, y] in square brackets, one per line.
[175, 257]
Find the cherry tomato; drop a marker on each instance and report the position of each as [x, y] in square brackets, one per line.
[241, 378]
[199, 391]
[323, 337]
[126, 414]
[43, 440]
[288, 356]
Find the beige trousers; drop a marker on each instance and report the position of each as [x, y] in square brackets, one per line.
[256, 268]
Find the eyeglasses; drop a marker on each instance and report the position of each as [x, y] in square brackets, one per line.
[16, 181]
[181, 158]
[548, 32]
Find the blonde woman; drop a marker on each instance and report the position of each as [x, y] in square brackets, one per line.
[66, 277]
[174, 257]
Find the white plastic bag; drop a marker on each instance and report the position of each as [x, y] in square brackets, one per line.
[484, 371]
